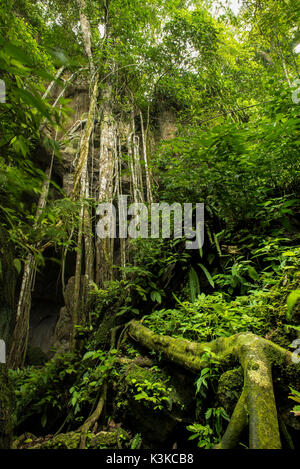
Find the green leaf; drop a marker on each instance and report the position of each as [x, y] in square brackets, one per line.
[194, 284]
[44, 420]
[17, 53]
[292, 299]
[20, 145]
[34, 101]
[18, 265]
[252, 273]
[88, 355]
[208, 276]
[155, 296]
[140, 396]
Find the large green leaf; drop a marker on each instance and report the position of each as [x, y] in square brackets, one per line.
[17, 53]
[34, 101]
[207, 274]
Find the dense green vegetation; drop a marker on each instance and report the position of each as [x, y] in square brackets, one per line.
[211, 99]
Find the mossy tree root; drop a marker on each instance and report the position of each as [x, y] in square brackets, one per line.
[93, 418]
[256, 406]
[238, 422]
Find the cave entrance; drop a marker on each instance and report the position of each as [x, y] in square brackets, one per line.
[47, 300]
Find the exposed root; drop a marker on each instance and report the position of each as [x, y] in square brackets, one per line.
[260, 400]
[92, 420]
[256, 406]
[238, 422]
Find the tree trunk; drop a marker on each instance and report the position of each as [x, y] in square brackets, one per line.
[86, 32]
[107, 160]
[147, 172]
[81, 189]
[19, 343]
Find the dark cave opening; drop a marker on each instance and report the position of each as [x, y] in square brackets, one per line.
[47, 301]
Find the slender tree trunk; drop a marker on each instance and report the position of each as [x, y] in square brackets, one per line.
[148, 178]
[108, 151]
[84, 145]
[19, 343]
[50, 87]
[119, 193]
[86, 32]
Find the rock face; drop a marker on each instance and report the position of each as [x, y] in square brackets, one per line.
[46, 302]
[167, 124]
[61, 340]
[62, 335]
[229, 388]
[115, 155]
[43, 319]
[78, 94]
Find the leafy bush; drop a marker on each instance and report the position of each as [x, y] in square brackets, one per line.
[43, 392]
[209, 317]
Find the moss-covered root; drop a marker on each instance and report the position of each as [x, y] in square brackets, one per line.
[238, 421]
[180, 351]
[256, 355]
[93, 418]
[260, 400]
[256, 404]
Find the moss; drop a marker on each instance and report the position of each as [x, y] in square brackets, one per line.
[23, 439]
[102, 336]
[135, 374]
[237, 424]
[281, 336]
[62, 441]
[229, 388]
[7, 402]
[167, 400]
[140, 374]
[116, 439]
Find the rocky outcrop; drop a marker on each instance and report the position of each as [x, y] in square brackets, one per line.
[62, 336]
